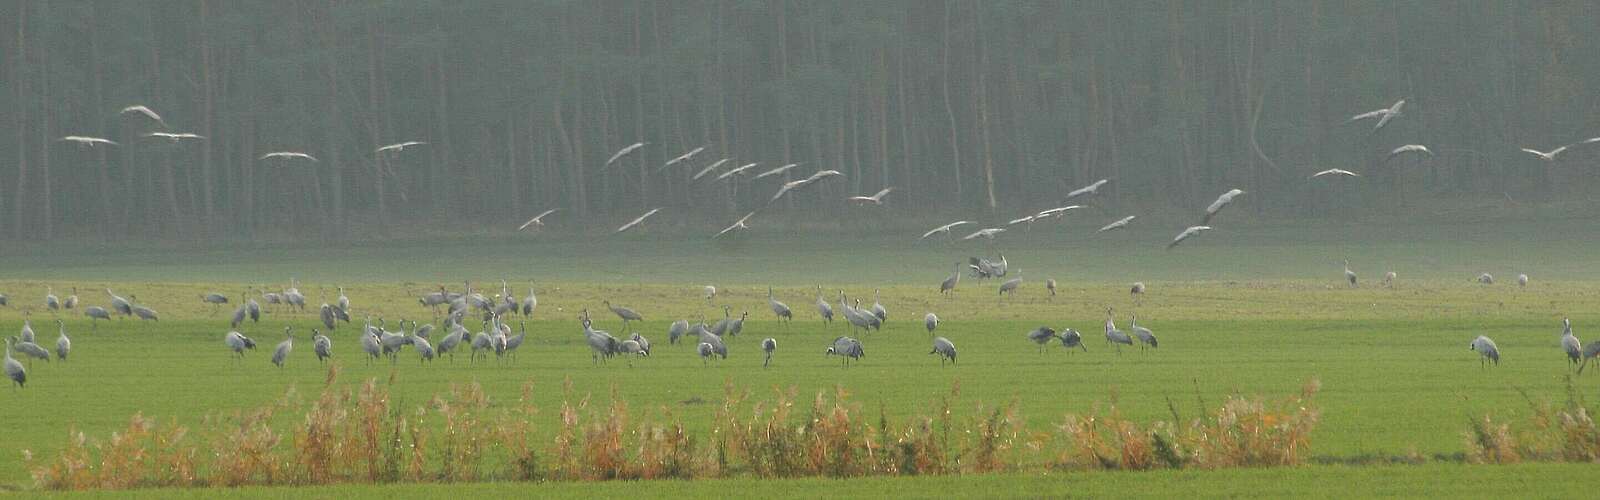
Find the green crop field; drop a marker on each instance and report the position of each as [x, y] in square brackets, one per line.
[1260, 313]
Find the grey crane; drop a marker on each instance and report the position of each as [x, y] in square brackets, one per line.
[626, 314]
[482, 343]
[1071, 338]
[398, 146]
[878, 309]
[433, 300]
[529, 303]
[856, 318]
[945, 349]
[281, 354]
[1383, 115]
[986, 233]
[1522, 280]
[1589, 352]
[931, 321]
[1487, 351]
[14, 370]
[823, 309]
[776, 171]
[238, 316]
[779, 308]
[767, 346]
[27, 330]
[1191, 232]
[215, 299]
[1335, 172]
[538, 220]
[1550, 156]
[681, 158]
[143, 110]
[1042, 336]
[737, 171]
[1057, 212]
[87, 141]
[514, 342]
[705, 350]
[1349, 276]
[948, 286]
[119, 304]
[288, 155]
[371, 345]
[1388, 278]
[71, 302]
[1486, 279]
[237, 343]
[447, 345]
[738, 225]
[295, 299]
[1050, 285]
[943, 229]
[50, 301]
[875, 199]
[637, 221]
[254, 308]
[710, 292]
[321, 345]
[1010, 286]
[736, 327]
[145, 313]
[727, 320]
[631, 349]
[96, 313]
[847, 349]
[33, 351]
[63, 343]
[1145, 336]
[601, 344]
[624, 152]
[871, 320]
[709, 168]
[1091, 189]
[1113, 335]
[678, 329]
[644, 343]
[4, 300]
[424, 349]
[1137, 289]
[343, 303]
[1222, 202]
[1409, 148]
[175, 137]
[1570, 343]
[718, 347]
[1118, 224]
[326, 314]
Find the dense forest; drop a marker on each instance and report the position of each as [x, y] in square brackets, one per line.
[968, 108]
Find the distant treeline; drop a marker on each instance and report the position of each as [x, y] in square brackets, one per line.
[976, 108]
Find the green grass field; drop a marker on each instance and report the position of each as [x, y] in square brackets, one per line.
[1253, 315]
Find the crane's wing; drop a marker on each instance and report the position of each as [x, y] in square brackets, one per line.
[624, 151]
[775, 171]
[1369, 114]
[708, 169]
[535, 219]
[636, 222]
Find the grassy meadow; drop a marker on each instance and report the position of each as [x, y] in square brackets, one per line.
[1259, 312]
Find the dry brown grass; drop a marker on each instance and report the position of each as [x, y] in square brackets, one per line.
[360, 435]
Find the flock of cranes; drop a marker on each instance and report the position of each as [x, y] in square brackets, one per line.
[496, 336]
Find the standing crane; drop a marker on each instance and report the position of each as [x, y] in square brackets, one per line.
[778, 308]
[945, 349]
[948, 287]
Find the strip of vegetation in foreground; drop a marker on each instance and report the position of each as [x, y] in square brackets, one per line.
[1433, 480]
[361, 435]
